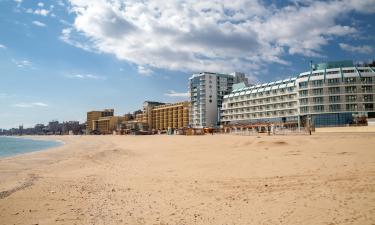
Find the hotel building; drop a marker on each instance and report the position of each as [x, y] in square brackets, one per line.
[95, 115]
[161, 116]
[108, 124]
[330, 94]
[206, 92]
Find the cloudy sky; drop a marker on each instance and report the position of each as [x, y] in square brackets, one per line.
[59, 59]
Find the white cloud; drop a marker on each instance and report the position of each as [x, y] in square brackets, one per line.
[40, 4]
[38, 23]
[41, 12]
[22, 63]
[30, 105]
[144, 70]
[212, 35]
[364, 49]
[3, 46]
[172, 93]
[86, 76]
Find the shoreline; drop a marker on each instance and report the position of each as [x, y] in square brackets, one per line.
[57, 143]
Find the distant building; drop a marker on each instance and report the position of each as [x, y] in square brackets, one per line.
[108, 124]
[206, 93]
[239, 78]
[161, 116]
[95, 115]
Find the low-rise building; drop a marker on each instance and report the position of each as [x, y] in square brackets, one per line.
[95, 115]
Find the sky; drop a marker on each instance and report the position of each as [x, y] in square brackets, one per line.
[62, 58]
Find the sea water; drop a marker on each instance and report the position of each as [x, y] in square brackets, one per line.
[10, 146]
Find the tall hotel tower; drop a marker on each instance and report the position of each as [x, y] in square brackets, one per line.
[207, 91]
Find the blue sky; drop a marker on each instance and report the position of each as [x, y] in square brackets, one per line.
[59, 59]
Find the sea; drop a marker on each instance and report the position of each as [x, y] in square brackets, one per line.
[10, 146]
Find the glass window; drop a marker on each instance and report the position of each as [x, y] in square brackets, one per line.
[366, 80]
[351, 89]
[318, 91]
[349, 80]
[367, 89]
[334, 98]
[333, 81]
[318, 108]
[303, 84]
[334, 107]
[334, 90]
[351, 107]
[351, 98]
[368, 98]
[369, 106]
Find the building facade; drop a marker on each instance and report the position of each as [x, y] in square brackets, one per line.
[161, 116]
[108, 124]
[174, 116]
[330, 94]
[95, 115]
[206, 92]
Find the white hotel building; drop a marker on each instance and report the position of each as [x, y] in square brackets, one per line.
[207, 91]
[330, 94]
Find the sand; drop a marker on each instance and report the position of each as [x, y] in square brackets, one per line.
[222, 179]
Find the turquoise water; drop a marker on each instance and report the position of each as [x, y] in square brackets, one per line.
[10, 146]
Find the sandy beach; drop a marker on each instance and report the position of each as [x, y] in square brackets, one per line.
[221, 179]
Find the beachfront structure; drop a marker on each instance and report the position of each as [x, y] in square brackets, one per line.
[330, 94]
[161, 116]
[108, 124]
[95, 115]
[206, 92]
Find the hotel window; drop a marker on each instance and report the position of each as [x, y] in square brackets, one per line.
[318, 100]
[317, 83]
[303, 85]
[333, 81]
[366, 80]
[318, 91]
[334, 90]
[351, 98]
[351, 107]
[348, 71]
[367, 89]
[351, 89]
[368, 98]
[333, 72]
[369, 106]
[334, 98]
[291, 89]
[350, 80]
[318, 108]
[303, 101]
[303, 93]
[333, 108]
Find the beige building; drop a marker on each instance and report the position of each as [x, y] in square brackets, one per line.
[95, 115]
[161, 116]
[106, 125]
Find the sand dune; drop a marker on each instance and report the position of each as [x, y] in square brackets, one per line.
[221, 179]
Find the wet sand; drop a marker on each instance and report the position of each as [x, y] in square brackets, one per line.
[222, 179]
